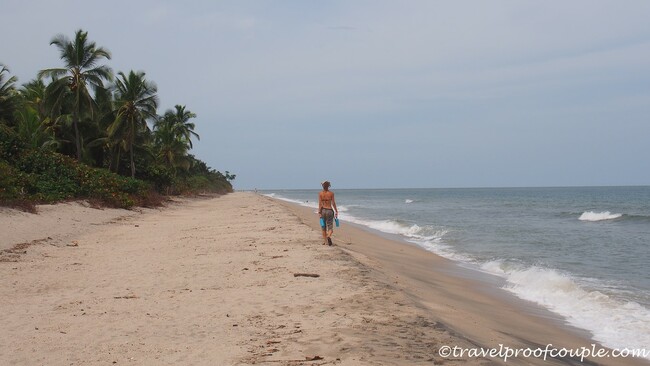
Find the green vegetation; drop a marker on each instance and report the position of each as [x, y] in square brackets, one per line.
[79, 132]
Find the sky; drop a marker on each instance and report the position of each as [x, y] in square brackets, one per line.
[380, 94]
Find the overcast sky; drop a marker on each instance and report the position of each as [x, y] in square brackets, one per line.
[380, 94]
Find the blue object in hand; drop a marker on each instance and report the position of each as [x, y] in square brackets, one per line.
[336, 220]
[322, 222]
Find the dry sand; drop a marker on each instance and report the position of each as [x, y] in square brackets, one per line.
[213, 282]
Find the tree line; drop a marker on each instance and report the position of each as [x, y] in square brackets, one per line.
[105, 120]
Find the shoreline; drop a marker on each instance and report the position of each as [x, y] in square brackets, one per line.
[420, 272]
[221, 281]
[493, 283]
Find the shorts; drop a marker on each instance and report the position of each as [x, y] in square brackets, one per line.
[328, 216]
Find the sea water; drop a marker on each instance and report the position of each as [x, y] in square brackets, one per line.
[583, 253]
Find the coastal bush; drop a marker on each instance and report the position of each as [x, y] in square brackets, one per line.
[200, 178]
[110, 188]
[29, 176]
[12, 185]
[9, 182]
[47, 179]
[201, 183]
[39, 176]
[159, 176]
[10, 142]
[220, 184]
[198, 182]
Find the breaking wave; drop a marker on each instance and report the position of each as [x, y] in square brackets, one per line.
[598, 216]
[614, 322]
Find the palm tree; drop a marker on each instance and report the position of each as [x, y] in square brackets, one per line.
[33, 95]
[81, 71]
[8, 96]
[169, 147]
[179, 122]
[173, 137]
[33, 131]
[32, 120]
[136, 100]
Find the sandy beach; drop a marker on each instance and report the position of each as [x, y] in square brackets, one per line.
[243, 279]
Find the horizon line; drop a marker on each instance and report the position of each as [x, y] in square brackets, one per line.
[468, 187]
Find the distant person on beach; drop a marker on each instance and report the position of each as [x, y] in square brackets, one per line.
[327, 210]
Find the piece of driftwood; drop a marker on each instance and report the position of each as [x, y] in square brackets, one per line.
[300, 362]
[307, 358]
[306, 275]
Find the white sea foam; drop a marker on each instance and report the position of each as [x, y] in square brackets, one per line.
[387, 226]
[598, 216]
[342, 208]
[427, 237]
[311, 204]
[613, 322]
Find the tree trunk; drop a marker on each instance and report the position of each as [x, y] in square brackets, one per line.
[77, 140]
[75, 122]
[114, 165]
[132, 162]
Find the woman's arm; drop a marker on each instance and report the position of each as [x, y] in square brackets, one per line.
[320, 205]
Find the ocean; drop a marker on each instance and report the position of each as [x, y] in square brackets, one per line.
[580, 252]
